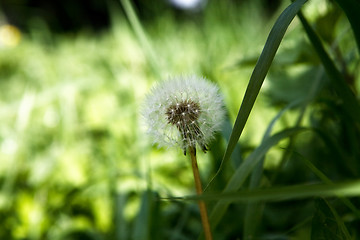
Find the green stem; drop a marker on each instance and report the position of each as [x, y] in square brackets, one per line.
[140, 34]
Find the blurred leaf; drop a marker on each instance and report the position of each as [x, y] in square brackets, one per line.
[325, 179]
[244, 170]
[141, 229]
[254, 210]
[326, 224]
[82, 234]
[325, 24]
[140, 34]
[301, 54]
[146, 218]
[352, 11]
[350, 103]
[285, 88]
[121, 226]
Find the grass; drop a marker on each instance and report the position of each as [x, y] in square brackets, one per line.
[75, 163]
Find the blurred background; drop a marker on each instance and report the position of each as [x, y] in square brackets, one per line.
[74, 160]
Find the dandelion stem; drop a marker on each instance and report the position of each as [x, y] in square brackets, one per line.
[199, 191]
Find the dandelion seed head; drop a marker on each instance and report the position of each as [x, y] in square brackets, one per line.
[183, 111]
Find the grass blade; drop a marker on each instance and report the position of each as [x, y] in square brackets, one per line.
[257, 78]
[277, 194]
[147, 217]
[140, 34]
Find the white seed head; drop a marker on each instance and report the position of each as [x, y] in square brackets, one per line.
[183, 111]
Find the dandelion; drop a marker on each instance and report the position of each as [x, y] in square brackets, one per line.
[184, 112]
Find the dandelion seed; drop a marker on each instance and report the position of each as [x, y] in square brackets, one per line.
[183, 111]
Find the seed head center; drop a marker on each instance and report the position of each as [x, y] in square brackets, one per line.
[183, 113]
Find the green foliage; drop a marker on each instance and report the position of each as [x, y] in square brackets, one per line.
[76, 164]
[326, 223]
[351, 9]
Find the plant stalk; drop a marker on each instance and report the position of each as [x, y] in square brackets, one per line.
[199, 191]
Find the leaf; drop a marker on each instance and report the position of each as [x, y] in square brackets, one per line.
[244, 170]
[254, 210]
[121, 227]
[352, 11]
[146, 217]
[327, 180]
[278, 194]
[350, 103]
[141, 35]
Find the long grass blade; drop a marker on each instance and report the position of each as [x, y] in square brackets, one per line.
[257, 78]
[277, 194]
[140, 34]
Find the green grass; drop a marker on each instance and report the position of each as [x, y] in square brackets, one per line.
[75, 163]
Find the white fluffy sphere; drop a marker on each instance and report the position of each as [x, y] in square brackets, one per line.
[183, 111]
